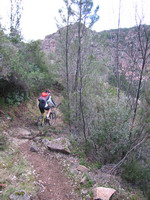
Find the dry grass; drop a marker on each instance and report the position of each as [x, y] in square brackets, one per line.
[16, 174]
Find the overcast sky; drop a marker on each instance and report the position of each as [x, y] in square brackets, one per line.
[38, 19]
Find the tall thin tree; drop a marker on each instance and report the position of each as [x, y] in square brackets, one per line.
[86, 18]
[143, 36]
[15, 18]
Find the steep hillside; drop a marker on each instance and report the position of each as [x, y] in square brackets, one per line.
[30, 169]
[104, 113]
[106, 81]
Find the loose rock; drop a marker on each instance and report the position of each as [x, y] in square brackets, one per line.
[102, 193]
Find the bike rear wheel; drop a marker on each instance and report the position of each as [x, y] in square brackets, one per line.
[52, 118]
[40, 121]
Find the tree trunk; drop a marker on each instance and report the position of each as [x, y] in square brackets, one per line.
[144, 47]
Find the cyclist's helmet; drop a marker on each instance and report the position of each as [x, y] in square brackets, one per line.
[47, 91]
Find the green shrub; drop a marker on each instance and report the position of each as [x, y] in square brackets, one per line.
[15, 98]
[3, 142]
[110, 131]
[64, 108]
[89, 182]
[26, 66]
[134, 172]
[2, 102]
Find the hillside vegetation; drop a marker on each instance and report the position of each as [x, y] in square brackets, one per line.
[104, 79]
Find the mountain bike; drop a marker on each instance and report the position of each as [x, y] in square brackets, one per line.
[43, 121]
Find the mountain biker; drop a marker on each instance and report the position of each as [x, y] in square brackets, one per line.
[46, 102]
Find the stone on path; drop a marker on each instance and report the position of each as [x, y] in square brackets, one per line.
[22, 131]
[34, 147]
[59, 145]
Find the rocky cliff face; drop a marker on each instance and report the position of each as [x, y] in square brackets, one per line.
[49, 43]
[103, 47]
[54, 43]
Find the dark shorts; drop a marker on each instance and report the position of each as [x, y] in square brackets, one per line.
[43, 108]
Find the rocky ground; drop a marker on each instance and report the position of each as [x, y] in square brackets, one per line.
[57, 175]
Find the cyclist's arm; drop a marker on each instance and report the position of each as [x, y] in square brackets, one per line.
[51, 102]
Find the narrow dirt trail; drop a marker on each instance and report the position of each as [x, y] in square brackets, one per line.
[53, 183]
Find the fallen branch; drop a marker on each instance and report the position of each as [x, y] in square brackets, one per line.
[121, 161]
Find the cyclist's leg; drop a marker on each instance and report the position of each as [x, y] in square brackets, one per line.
[48, 109]
[41, 108]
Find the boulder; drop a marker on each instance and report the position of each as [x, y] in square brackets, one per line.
[102, 193]
[20, 195]
[59, 145]
[82, 168]
[34, 147]
[21, 132]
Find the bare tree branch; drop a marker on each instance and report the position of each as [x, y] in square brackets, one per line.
[127, 154]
